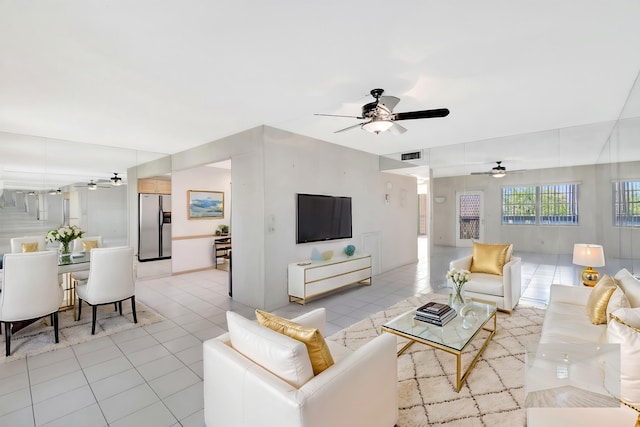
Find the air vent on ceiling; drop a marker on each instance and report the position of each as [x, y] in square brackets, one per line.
[416, 155]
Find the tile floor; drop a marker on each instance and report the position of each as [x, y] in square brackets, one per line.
[152, 375]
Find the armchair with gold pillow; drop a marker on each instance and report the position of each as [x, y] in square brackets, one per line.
[495, 274]
[276, 372]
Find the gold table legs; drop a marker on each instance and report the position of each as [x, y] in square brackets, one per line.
[461, 377]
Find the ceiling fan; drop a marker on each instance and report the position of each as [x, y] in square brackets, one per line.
[379, 115]
[92, 185]
[116, 180]
[497, 171]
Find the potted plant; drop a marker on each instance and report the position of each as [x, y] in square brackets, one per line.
[222, 230]
[65, 235]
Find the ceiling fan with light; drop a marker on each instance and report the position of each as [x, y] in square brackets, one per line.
[497, 171]
[92, 185]
[116, 180]
[379, 115]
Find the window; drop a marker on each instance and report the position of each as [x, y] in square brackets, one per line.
[519, 205]
[559, 204]
[544, 204]
[627, 203]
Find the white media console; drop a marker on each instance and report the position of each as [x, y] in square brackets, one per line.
[312, 278]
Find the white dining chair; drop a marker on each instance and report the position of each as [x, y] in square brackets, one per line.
[81, 245]
[87, 242]
[110, 281]
[30, 290]
[18, 242]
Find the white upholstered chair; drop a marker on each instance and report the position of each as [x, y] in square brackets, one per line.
[360, 389]
[504, 290]
[17, 242]
[79, 243]
[30, 290]
[110, 281]
[80, 246]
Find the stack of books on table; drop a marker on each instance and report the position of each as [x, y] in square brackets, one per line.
[436, 313]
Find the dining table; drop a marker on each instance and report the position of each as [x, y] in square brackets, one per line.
[67, 265]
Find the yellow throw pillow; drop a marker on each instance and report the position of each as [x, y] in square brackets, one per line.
[599, 299]
[87, 245]
[30, 247]
[488, 258]
[318, 350]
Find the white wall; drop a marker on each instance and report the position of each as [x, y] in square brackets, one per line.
[595, 210]
[53, 209]
[192, 240]
[269, 167]
[245, 149]
[101, 212]
[297, 164]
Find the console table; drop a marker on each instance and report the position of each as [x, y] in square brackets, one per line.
[221, 249]
[312, 278]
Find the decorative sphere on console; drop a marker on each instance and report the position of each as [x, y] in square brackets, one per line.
[350, 250]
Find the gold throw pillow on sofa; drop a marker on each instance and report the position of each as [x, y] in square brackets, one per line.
[599, 299]
[30, 247]
[488, 258]
[317, 348]
[87, 245]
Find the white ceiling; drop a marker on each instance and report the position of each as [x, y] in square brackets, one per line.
[164, 76]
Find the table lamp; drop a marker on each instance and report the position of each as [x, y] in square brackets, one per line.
[589, 256]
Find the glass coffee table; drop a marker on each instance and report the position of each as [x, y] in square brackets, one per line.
[453, 337]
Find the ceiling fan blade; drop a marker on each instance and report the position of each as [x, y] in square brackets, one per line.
[338, 115]
[480, 173]
[349, 128]
[424, 114]
[396, 129]
[389, 101]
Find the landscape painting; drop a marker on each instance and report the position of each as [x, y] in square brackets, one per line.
[205, 204]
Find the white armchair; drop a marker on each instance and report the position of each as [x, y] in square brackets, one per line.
[360, 389]
[503, 290]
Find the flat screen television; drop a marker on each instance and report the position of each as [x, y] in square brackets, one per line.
[321, 217]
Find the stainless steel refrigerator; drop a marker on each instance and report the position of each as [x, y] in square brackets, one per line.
[154, 227]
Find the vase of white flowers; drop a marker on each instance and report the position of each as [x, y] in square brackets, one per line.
[458, 277]
[65, 235]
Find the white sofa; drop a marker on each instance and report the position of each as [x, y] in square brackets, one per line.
[360, 389]
[566, 322]
[504, 291]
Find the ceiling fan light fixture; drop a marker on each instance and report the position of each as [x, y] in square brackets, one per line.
[92, 186]
[116, 180]
[377, 126]
[496, 173]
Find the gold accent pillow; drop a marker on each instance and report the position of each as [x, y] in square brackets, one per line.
[318, 350]
[30, 247]
[488, 258]
[87, 245]
[599, 299]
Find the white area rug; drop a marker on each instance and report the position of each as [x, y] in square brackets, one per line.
[39, 338]
[493, 394]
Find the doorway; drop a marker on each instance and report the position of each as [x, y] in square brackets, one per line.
[470, 217]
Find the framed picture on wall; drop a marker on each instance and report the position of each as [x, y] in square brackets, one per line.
[205, 204]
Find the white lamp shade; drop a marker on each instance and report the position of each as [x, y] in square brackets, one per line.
[588, 255]
[377, 126]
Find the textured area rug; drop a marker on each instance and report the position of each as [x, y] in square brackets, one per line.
[38, 337]
[494, 392]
